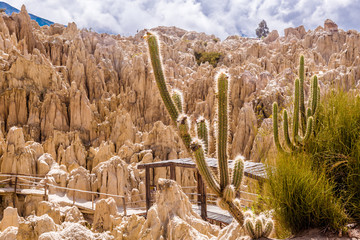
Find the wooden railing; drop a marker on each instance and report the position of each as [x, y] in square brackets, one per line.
[36, 182]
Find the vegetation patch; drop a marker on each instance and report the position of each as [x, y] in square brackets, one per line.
[302, 197]
[212, 57]
[336, 146]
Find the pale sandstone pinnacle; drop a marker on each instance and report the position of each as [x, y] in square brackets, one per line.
[10, 218]
[172, 216]
[103, 211]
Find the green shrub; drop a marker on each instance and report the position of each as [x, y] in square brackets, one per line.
[302, 197]
[212, 57]
[337, 146]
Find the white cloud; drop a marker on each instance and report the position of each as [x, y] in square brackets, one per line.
[219, 17]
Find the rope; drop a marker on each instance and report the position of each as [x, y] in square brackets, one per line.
[136, 202]
[84, 191]
[253, 194]
[19, 175]
[189, 187]
[5, 180]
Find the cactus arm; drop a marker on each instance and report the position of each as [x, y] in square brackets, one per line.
[159, 76]
[301, 97]
[235, 212]
[314, 94]
[275, 127]
[318, 100]
[238, 172]
[199, 155]
[229, 193]
[178, 100]
[308, 112]
[286, 132]
[183, 125]
[203, 132]
[222, 93]
[295, 124]
[309, 129]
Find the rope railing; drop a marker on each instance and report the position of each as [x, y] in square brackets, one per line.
[6, 180]
[21, 175]
[22, 180]
[189, 187]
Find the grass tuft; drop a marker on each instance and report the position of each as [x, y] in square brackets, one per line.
[302, 197]
[337, 146]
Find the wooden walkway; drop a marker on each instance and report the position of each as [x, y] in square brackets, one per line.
[252, 169]
[20, 184]
[207, 211]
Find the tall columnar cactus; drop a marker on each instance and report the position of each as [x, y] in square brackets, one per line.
[223, 186]
[301, 117]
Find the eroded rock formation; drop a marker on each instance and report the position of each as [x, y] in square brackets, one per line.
[82, 108]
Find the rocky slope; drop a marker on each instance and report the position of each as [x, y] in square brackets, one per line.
[82, 107]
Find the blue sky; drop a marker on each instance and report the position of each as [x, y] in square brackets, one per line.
[219, 17]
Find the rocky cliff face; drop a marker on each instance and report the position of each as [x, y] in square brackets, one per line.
[83, 108]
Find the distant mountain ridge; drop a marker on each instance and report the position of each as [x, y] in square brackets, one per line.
[10, 9]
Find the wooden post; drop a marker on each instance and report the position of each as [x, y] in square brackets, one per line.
[14, 197]
[198, 188]
[124, 204]
[46, 190]
[172, 173]
[92, 201]
[74, 198]
[201, 196]
[147, 187]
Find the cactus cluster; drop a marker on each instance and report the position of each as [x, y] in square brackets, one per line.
[302, 118]
[258, 227]
[225, 185]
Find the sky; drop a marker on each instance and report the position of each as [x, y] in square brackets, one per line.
[220, 17]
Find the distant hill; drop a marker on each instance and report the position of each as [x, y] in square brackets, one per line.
[10, 9]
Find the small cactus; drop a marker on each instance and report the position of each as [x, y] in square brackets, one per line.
[302, 117]
[258, 227]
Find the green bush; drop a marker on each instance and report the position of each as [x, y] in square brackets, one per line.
[212, 57]
[302, 197]
[337, 146]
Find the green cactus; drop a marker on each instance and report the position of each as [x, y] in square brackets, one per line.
[198, 147]
[202, 132]
[237, 172]
[306, 118]
[249, 227]
[178, 100]
[258, 227]
[269, 225]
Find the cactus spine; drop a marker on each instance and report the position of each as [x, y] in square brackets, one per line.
[197, 147]
[306, 118]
